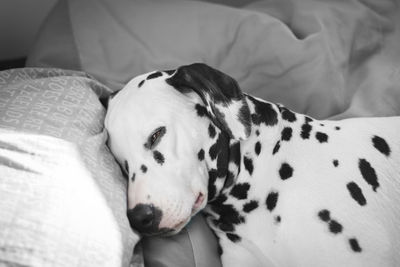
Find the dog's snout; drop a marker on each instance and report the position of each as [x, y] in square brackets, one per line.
[143, 218]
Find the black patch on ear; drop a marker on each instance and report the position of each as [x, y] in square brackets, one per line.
[276, 147]
[248, 164]
[368, 173]
[200, 155]
[335, 162]
[324, 215]
[286, 134]
[169, 72]
[239, 191]
[143, 168]
[288, 115]
[154, 75]
[286, 171]
[321, 137]
[271, 200]
[211, 131]
[257, 148]
[250, 206]
[381, 145]
[212, 84]
[158, 157]
[233, 237]
[141, 83]
[201, 110]
[356, 193]
[263, 113]
[354, 245]
[133, 177]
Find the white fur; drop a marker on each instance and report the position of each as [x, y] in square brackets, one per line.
[301, 238]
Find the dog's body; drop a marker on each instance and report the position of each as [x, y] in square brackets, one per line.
[283, 189]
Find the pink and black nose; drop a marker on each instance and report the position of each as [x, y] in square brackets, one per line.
[145, 218]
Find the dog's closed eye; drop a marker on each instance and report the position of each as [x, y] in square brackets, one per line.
[155, 137]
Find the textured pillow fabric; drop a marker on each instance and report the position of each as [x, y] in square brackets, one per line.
[62, 104]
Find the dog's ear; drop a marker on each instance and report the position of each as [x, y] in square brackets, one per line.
[220, 93]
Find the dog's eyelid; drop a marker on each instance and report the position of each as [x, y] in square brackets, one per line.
[155, 137]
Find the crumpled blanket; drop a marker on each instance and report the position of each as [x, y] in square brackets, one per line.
[328, 59]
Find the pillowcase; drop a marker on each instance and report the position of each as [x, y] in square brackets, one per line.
[62, 104]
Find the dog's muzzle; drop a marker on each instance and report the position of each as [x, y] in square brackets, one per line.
[145, 219]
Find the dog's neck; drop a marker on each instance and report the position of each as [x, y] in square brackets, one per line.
[231, 157]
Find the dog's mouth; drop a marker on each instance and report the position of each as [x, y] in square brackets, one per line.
[198, 203]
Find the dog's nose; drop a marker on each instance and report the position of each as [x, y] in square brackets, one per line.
[142, 218]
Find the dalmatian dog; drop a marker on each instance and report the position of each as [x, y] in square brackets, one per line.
[279, 188]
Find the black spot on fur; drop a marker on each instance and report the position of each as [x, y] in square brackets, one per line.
[229, 179]
[321, 124]
[248, 164]
[211, 131]
[200, 155]
[335, 227]
[169, 72]
[324, 215]
[201, 110]
[250, 206]
[126, 166]
[337, 128]
[286, 134]
[356, 193]
[257, 132]
[321, 137]
[286, 171]
[257, 148]
[288, 115]
[368, 173]
[220, 151]
[278, 219]
[263, 113]
[240, 190]
[276, 148]
[158, 157]
[233, 237]
[271, 200]
[154, 75]
[305, 130]
[354, 245]
[381, 145]
[228, 215]
[308, 119]
[335, 162]
[133, 177]
[235, 153]
[143, 168]
[212, 190]
[141, 83]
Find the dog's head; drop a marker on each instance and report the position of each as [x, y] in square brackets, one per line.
[170, 131]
